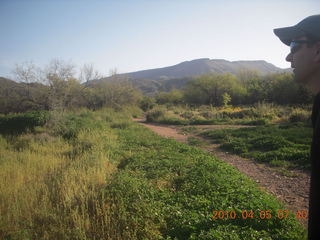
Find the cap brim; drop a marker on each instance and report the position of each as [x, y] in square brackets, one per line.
[287, 34]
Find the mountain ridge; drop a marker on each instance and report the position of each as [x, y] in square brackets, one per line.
[204, 66]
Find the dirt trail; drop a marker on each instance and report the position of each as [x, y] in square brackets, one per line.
[293, 191]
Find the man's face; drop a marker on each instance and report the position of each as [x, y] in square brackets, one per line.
[305, 62]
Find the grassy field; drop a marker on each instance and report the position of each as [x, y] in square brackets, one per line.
[97, 175]
[53, 177]
[260, 114]
[280, 135]
[285, 145]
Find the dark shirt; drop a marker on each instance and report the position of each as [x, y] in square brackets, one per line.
[314, 201]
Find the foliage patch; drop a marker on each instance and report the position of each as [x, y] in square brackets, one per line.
[280, 145]
[22, 122]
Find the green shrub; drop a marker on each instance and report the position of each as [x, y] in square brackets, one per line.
[147, 103]
[268, 143]
[188, 114]
[174, 121]
[155, 115]
[299, 115]
[259, 122]
[197, 121]
[69, 125]
[19, 123]
[209, 114]
[246, 113]
[121, 125]
[235, 145]
[265, 110]
[292, 157]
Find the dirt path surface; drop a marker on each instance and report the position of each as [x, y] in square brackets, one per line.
[293, 191]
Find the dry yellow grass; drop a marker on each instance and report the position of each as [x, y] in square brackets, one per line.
[52, 189]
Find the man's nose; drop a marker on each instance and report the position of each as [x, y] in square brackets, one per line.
[289, 58]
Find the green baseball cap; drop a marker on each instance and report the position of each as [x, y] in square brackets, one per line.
[308, 26]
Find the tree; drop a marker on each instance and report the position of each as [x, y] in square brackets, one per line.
[58, 70]
[147, 103]
[282, 89]
[246, 76]
[226, 99]
[173, 97]
[209, 89]
[88, 73]
[115, 91]
[65, 89]
[26, 72]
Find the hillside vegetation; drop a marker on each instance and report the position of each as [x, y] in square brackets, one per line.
[57, 88]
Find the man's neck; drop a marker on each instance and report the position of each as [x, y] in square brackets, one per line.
[314, 83]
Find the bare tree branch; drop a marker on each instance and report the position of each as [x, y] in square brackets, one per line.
[88, 73]
[25, 72]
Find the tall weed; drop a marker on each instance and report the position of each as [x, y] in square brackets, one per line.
[56, 185]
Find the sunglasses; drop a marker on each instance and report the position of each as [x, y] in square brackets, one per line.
[295, 45]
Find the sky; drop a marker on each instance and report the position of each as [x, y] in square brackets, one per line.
[133, 35]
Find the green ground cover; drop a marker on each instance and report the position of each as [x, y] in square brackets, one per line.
[286, 145]
[97, 175]
[169, 190]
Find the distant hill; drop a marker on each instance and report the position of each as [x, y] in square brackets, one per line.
[204, 66]
[20, 97]
[8, 88]
[176, 76]
[12, 87]
[7, 82]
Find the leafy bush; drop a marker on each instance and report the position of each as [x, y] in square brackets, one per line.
[155, 115]
[287, 156]
[245, 113]
[19, 123]
[188, 114]
[70, 124]
[267, 143]
[258, 122]
[147, 103]
[235, 145]
[208, 114]
[299, 115]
